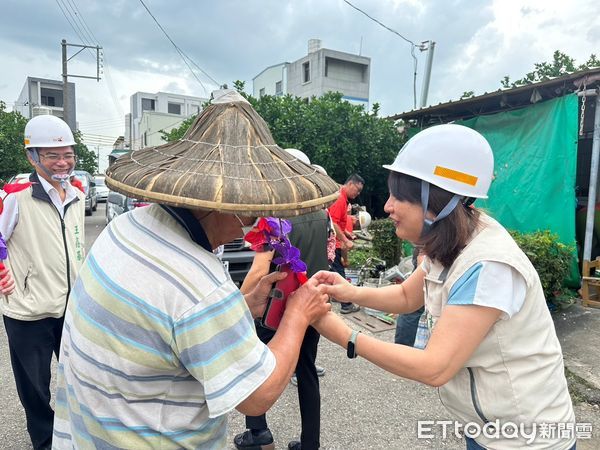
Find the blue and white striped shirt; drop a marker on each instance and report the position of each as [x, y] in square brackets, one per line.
[158, 344]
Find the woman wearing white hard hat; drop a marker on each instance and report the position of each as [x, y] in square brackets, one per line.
[492, 349]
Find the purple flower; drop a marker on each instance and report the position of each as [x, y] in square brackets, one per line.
[3, 249]
[288, 254]
[279, 227]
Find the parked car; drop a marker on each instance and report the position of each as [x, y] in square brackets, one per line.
[89, 189]
[237, 256]
[117, 204]
[101, 188]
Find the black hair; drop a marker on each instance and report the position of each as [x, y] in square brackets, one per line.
[448, 237]
[356, 179]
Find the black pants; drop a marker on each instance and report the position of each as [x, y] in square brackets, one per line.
[31, 344]
[337, 266]
[309, 396]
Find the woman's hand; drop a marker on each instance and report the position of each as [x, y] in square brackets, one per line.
[334, 285]
[7, 282]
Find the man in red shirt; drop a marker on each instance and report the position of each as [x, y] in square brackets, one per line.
[338, 212]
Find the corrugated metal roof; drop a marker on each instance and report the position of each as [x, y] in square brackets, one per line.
[502, 99]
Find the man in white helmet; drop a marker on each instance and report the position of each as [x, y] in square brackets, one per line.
[43, 224]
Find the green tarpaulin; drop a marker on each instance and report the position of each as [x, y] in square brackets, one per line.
[535, 159]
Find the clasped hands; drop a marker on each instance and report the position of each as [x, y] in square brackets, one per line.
[309, 302]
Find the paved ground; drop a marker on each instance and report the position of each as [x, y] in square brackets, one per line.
[363, 407]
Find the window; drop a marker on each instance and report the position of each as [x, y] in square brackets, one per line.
[48, 101]
[148, 104]
[174, 108]
[261, 92]
[51, 97]
[278, 89]
[306, 72]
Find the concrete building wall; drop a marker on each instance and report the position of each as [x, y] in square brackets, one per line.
[43, 95]
[151, 125]
[269, 80]
[178, 107]
[320, 71]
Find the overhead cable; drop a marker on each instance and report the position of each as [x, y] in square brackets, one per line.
[412, 49]
[184, 57]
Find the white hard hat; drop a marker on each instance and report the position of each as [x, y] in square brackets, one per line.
[298, 154]
[453, 157]
[320, 169]
[364, 219]
[47, 131]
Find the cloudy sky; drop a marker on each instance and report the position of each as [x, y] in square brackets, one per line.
[477, 43]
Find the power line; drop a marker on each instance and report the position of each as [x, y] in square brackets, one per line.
[380, 23]
[181, 53]
[88, 38]
[412, 48]
[68, 20]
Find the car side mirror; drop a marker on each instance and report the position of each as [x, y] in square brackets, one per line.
[92, 184]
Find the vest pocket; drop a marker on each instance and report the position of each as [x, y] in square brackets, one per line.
[26, 280]
[475, 397]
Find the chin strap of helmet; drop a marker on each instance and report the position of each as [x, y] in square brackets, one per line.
[61, 178]
[428, 223]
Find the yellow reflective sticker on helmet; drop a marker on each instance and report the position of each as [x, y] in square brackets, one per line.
[26, 141]
[455, 175]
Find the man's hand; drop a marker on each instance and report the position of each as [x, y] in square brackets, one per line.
[347, 244]
[257, 298]
[7, 282]
[308, 301]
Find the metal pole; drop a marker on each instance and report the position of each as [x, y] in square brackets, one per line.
[591, 205]
[65, 83]
[427, 76]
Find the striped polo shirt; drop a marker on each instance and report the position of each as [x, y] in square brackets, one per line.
[158, 343]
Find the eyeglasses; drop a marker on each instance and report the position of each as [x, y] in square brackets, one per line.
[54, 157]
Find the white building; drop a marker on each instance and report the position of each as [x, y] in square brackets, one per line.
[44, 96]
[321, 70]
[152, 113]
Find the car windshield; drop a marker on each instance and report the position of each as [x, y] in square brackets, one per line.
[99, 181]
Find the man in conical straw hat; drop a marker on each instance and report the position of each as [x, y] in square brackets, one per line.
[159, 344]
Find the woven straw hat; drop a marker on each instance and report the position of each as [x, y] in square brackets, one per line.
[227, 161]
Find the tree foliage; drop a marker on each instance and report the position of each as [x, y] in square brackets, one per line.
[342, 137]
[561, 64]
[86, 159]
[12, 152]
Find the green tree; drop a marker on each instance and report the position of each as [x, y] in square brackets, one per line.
[342, 137]
[86, 159]
[12, 152]
[561, 64]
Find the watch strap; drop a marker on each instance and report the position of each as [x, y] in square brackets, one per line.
[351, 350]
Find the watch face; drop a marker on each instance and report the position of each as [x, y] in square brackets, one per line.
[351, 352]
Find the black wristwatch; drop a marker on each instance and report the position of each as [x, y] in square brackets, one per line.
[351, 351]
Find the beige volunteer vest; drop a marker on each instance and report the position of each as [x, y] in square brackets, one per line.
[516, 374]
[44, 261]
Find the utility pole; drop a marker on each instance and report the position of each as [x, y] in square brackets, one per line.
[429, 46]
[65, 73]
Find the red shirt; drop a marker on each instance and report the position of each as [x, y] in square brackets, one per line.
[339, 214]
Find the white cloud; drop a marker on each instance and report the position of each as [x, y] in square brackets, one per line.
[477, 44]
